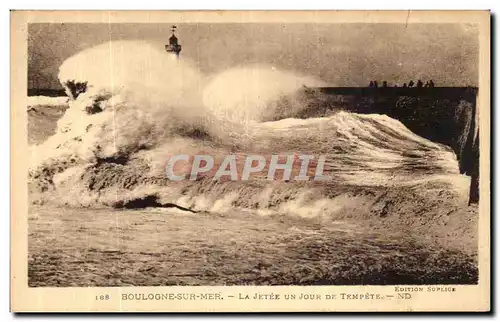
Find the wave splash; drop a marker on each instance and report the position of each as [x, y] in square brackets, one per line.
[136, 106]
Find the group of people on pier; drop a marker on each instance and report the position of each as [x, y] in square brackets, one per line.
[419, 84]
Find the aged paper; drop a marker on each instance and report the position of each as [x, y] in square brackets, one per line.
[250, 161]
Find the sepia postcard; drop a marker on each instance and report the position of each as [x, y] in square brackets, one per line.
[250, 161]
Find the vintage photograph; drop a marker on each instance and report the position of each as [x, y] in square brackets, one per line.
[387, 111]
[254, 153]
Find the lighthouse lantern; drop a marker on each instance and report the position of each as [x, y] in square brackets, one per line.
[173, 43]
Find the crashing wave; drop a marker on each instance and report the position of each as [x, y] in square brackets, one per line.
[133, 107]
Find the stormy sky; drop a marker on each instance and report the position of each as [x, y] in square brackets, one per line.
[339, 54]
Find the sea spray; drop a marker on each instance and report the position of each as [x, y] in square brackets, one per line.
[135, 108]
[251, 93]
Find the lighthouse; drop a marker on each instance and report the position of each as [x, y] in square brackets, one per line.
[173, 43]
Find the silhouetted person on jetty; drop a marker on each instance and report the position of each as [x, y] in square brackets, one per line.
[420, 84]
[384, 84]
[411, 83]
[405, 85]
[431, 84]
[371, 84]
[375, 84]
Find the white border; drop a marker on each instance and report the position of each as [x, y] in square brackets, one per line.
[186, 4]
